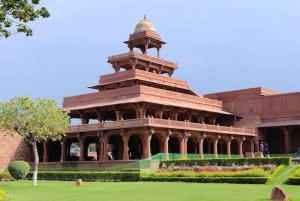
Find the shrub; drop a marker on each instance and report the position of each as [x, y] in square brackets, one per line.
[2, 195]
[87, 176]
[18, 169]
[228, 162]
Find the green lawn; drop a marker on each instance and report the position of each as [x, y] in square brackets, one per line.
[140, 191]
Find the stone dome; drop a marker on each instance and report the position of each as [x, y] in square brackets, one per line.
[144, 25]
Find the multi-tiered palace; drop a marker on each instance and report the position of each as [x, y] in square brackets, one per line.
[141, 110]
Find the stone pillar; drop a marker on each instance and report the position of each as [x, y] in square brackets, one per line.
[62, 150]
[140, 110]
[147, 139]
[200, 141]
[252, 145]
[45, 157]
[228, 143]
[165, 138]
[100, 139]
[183, 142]
[287, 139]
[240, 142]
[118, 115]
[125, 137]
[215, 141]
[104, 142]
[81, 145]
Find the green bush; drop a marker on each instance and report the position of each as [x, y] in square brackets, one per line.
[87, 176]
[229, 161]
[5, 176]
[18, 169]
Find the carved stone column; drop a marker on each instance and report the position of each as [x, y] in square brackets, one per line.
[287, 138]
[147, 139]
[166, 136]
[81, 145]
[104, 143]
[215, 141]
[63, 149]
[183, 142]
[200, 142]
[100, 136]
[240, 143]
[140, 110]
[45, 157]
[228, 143]
[125, 137]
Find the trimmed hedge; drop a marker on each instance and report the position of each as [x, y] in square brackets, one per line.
[18, 169]
[236, 180]
[87, 176]
[229, 161]
[294, 180]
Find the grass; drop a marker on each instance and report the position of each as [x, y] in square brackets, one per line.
[67, 191]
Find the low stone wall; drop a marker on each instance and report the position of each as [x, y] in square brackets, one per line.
[12, 148]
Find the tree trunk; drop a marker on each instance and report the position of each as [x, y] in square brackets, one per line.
[36, 162]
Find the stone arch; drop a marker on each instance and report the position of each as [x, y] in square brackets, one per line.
[91, 155]
[173, 145]
[115, 147]
[276, 141]
[191, 146]
[234, 147]
[246, 146]
[72, 154]
[154, 144]
[53, 151]
[135, 147]
[221, 146]
[295, 139]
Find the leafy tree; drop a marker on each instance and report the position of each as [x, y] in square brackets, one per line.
[18, 13]
[34, 120]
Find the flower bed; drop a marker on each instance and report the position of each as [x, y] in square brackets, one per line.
[216, 174]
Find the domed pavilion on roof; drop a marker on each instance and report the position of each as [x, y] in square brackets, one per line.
[141, 110]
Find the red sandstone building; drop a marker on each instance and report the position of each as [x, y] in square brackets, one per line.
[141, 110]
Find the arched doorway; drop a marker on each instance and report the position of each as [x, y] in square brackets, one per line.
[135, 147]
[191, 146]
[154, 144]
[53, 151]
[246, 146]
[234, 147]
[173, 145]
[115, 147]
[276, 141]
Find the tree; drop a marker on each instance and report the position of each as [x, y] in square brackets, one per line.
[34, 120]
[21, 10]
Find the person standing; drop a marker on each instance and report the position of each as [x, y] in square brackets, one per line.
[267, 150]
[262, 148]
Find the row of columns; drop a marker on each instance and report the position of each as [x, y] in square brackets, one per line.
[146, 141]
[140, 110]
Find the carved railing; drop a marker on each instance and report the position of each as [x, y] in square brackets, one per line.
[184, 125]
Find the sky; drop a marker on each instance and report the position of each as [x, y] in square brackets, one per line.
[219, 45]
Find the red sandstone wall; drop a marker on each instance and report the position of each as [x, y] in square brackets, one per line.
[12, 149]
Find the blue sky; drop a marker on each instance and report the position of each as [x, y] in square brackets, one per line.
[218, 45]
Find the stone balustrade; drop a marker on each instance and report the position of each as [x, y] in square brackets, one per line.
[162, 123]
